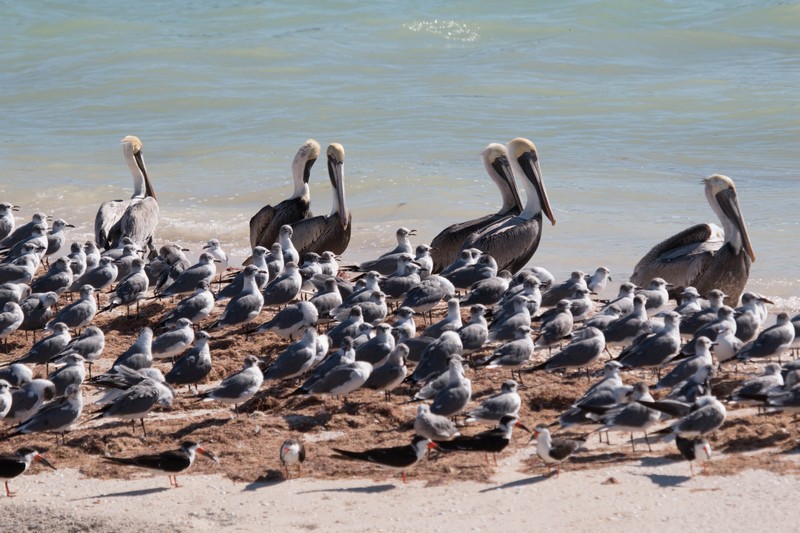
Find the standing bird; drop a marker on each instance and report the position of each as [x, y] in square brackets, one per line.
[56, 416]
[293, 453]
[771, 342]
[513, 242]
[327, 232]
[172, 462]
[554, 451]
[398, 457]
[172, 342]
[132, 288]
[694, 450]
[195, 307]
[433, 427]
[446, 246]
[194, 365]
[244, 307]
[238, 387]
[495, 408]
[491, 441]
[265, 225]
[136, 218]
[187, 281]
[705, 256]
[7, 222]
[12, 466]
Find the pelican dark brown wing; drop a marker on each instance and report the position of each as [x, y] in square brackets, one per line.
[705, 256]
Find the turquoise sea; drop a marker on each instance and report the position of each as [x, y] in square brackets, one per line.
[630, 104]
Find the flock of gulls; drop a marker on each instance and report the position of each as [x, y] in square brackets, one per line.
[683, 317]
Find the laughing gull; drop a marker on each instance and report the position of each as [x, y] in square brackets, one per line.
[630, 326]
[396, 457]
[425, 296]
[262, 276]
[488, 291]
[57, 279]
[597, 281]
[377, 349]
[633, 417]
[296, 359]
[140, 354]
[687, 367]
[771, 342]
[89, 345]
[512, 355]
[195, 307]
[346, 328]
[291, 320]
[100, 277]
[391, 373]
[558, 328]
[136, 402]
[386, 264]
[56, 416]
[79, 313]
[47, 348]
[171, 462]
[710, 330]
[186, 282]
[503, 328]
[27, 399]
[284, 288]
[374, 310]
[73, 373]
[16, 374]
[192, 366]
[340, 381]
[5, 398]
[757, 391]
[328, 298]
[404, 325]
[132, 288]
[656, 349]
[463, 278]
[584, 349]
[239, 386]
[10, 320]
[38, 309]
[451, 321]
[433, 427]
[705, 417]
[474, 333]
[565, 290]
[245, 306]
[656, 294]
[455, 396]
[434, 358]
[172, 342]
[492, 410]
[695, 321]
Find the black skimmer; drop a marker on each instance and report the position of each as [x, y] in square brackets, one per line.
[398, 457]
[554, 451]
[694, 450]
[172, 461]
[492, 441]
[12, 466]
[293, 453]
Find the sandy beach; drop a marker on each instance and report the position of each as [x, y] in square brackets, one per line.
[755, 464]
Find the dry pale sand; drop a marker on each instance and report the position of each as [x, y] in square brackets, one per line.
[647, 494]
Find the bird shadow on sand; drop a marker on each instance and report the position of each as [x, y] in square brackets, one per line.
[140, 492]
[191, 428]
[271, 478]
[372, 489]
[663, 480]
[518, 483]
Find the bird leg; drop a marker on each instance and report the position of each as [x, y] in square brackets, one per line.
[633, 444]
[649, 449]
[691, 468]
[495, 458]
[404, 476]
[143, 429]
[8, 492]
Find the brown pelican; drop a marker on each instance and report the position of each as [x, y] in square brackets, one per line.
[265, 224]
[327, 232]
[136, 218]
[513, 241]
[704, 256]
[446, 245]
